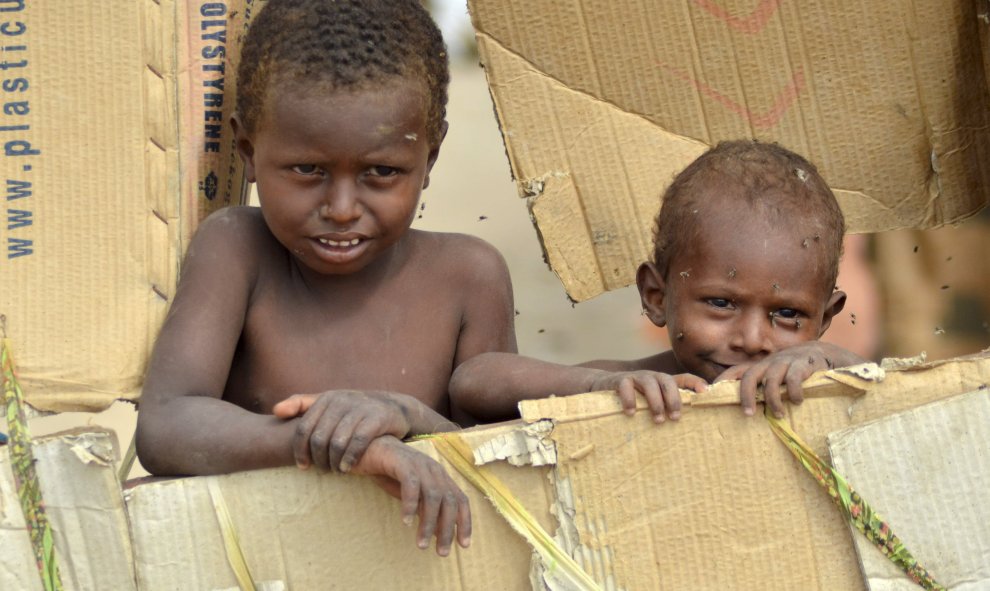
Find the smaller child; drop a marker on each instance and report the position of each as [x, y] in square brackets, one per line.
[746, 253]
[319, 329]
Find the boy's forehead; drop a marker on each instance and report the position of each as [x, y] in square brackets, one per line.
[327, 91]
[736, 237]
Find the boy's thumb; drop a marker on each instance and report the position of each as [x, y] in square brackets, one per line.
[291, 407]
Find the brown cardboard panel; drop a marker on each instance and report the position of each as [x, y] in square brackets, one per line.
[688, 496]
[323, 531]
[85, 507]
[712, 501]
[926, 471]
[209, 49]
[98, 205]
[618, 96]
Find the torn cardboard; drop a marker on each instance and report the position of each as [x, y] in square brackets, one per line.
[115, 144]
[928, 468]
[308, 530]
[601, 104]
[85, 507]
[713, 501]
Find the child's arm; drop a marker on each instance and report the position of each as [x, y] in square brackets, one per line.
[491, 385]
[335, 428]
[787, 367]
[184, 426]
[481, 277]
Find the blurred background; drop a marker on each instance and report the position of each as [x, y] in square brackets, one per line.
[909, 291]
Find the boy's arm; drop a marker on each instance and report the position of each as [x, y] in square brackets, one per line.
[183, 425]
[333, 429]
[481, 278]
[490, 386]
[496, 382]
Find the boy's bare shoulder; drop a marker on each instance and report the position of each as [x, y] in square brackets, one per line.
[461, 256]
[238, 231]
[236, 221]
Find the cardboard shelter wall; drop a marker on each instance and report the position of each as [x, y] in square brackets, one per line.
[711, 502]
[941, 467]
[602, 103]
[116, 144]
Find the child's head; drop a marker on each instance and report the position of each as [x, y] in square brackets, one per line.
[339, 121]
[327, 46]
[747, 246]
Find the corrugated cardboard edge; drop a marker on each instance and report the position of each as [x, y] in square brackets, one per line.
[177, 539]
[208, 53]
[836, 399]
[926, 472]
[85, 507]
[189, 52]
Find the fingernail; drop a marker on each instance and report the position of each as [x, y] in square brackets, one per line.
[443, 551]
[748, 412]
[423, 544]
[408, 520]
[630, 411]
[345, 466]
[675, 415]
[303, 466]
[779, 414]
[658, 419]
[466, 543]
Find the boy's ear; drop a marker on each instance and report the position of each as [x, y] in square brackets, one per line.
[244, 146]
[652, 291]
[836, 302]
[434, 153]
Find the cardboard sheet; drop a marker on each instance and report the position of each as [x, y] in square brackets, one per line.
[304, 530]
[108, 163]
[601, 103]
[85, 508]
[713, 501]
[926, 471]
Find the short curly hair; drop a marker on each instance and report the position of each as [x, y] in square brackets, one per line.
[783, 185]
[342, 44]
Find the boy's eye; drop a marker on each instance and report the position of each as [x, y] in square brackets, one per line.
[789, 313]
[306, 169]
[719, 302]
[383, 171]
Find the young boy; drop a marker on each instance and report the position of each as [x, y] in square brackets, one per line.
[747, 246]
[323, 306]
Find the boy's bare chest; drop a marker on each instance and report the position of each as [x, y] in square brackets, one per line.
[387, 340]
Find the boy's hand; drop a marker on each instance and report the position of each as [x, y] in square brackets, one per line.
[424, 488]
[787, 367]
[337, 427]
[660, 390]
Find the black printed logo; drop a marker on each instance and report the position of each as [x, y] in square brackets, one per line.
[209, 186]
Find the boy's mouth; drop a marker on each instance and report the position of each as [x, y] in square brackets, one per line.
[342, 250]
[339, 243]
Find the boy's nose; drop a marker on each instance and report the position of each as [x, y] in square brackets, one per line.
[753, 334]
[341, 204]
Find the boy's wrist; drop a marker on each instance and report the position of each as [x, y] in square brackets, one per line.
[599, 379]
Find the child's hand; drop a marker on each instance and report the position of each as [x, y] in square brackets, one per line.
[787, 367]
[424, 488]
[660, 390]
[337, 427]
